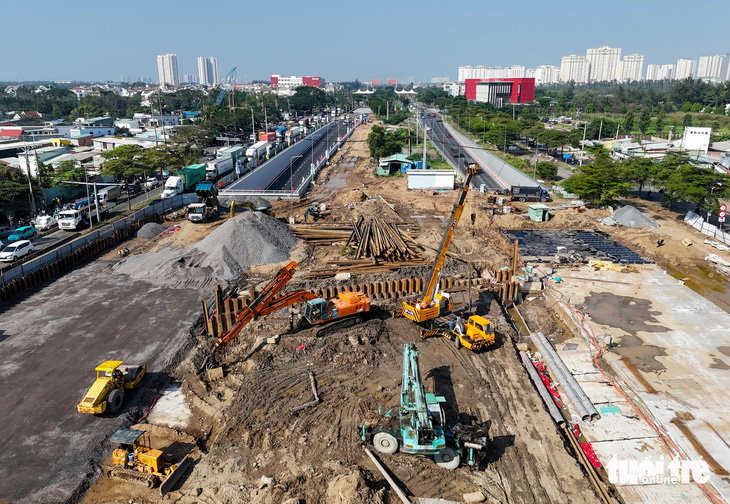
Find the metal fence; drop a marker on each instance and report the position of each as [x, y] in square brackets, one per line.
[102, 232]
[697, 222]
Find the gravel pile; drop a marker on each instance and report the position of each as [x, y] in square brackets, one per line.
[248, 239]
[631, 217]
[150, 230]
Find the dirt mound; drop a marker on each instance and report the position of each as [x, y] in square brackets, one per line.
[351, 487]
[629, 216]
[354, 196]
[248, 239]
[150, 230]
[224, 255]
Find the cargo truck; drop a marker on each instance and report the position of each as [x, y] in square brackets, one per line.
[257, 153]
[207, 207]
[529, 193]
[109, 193]
[280, 132]
[235, 153]
[269, 136]
[216, 169]
[184, 180]
[293, 134]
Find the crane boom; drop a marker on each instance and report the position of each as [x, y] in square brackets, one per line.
[224, 87]
[423, 309]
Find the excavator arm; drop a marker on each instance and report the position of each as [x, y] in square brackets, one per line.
[288, 300]
[260, 305]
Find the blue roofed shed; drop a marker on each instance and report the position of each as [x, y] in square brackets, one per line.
[395, 163]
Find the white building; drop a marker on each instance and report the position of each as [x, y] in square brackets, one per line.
[685, 68]
[208, 71]
[696, 139]
[167, 69]
[482, 72]
[659, 72]
[713, 67]
[605, 64]
[632, 67]
[455, 88]
[547, 74]
[439, 80]
[574, 68]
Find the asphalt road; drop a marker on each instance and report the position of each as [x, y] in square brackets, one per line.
[301, 166]
[48, 241]
[457, 152]
[274, 174]
[51, 339]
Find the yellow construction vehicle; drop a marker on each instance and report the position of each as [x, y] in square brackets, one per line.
[107, 392]
[135, 462]
[433, 304]
[476, 334]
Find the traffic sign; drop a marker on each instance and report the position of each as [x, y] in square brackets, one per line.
[721, 214]
[723, 207]
[721, 219]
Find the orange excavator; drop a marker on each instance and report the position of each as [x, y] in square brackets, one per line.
[349, 308]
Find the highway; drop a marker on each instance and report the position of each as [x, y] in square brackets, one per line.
[44, 242]
[274, 174]
[456, 151]
[494, 172]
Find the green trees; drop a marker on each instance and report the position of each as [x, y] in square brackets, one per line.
[644, 120]
[659, 122]
[546, 170]
[307, 99]
[687, 121]
[629, 121]
[382, 143]
[600, 181]
[124, 162]
[67, 170]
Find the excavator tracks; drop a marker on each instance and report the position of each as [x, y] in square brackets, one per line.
[336, 326]
[132, 476]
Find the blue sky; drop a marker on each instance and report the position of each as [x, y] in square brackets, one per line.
[342, 40]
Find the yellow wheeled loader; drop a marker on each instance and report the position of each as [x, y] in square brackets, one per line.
[107, 392]
[476, 334]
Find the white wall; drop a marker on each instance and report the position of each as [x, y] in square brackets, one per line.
[431, 179]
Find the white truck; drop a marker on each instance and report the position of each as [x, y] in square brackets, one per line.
[109, 193]
[257, 153]
[293, 133]
[217, 168]
[71, 220]
[44, 222]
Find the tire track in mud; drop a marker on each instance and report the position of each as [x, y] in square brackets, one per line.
[534, 466]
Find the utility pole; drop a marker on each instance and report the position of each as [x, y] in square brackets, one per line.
[253, 126]
[424, 147]
[164, 137]
[600, 130]
[31, 198]
[582, 144]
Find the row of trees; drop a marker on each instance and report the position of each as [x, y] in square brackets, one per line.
[605, 179]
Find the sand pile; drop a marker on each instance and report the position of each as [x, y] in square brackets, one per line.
[248, 239]
[631, 217]
[150, 230]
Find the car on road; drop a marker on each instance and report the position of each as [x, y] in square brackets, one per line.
[22, 233]
[448, 135]
[151, 183]
[16, 250]
[5, 231]
[165, 174]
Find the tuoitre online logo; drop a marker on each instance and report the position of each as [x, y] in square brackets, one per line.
[657, 471]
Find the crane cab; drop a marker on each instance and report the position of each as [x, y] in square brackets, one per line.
[419, 312]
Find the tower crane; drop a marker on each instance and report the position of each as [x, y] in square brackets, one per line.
[224, 87]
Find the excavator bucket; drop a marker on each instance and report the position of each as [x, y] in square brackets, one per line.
[174, 476]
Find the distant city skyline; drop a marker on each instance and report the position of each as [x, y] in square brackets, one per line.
[461, 34]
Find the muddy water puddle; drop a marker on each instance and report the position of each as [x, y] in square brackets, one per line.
[705, 281]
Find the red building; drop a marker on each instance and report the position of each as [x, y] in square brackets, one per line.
[392, 82]
[375, 82]
[280, 81]
[501, 91]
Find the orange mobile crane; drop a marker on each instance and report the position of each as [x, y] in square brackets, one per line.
[349, 308]
[433, 304]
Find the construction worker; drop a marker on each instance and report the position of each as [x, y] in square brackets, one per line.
[291, 321]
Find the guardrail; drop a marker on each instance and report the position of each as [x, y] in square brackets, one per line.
[303, 187]
[34, 265]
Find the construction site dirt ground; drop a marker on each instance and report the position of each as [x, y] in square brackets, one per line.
[248, 445]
